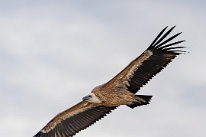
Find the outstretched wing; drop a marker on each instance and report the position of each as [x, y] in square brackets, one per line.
[73, 120]
[155, 58]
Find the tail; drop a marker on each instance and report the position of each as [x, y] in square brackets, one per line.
[140, 100]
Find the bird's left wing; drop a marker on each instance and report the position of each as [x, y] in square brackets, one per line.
[155, 58]
[73, 120]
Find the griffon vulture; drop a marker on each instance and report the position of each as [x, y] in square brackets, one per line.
[120, 90]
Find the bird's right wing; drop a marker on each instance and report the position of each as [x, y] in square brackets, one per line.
[73, 120]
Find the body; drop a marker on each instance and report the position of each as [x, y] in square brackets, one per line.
[116, 96]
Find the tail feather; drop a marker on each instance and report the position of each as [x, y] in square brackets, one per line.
[141, 100]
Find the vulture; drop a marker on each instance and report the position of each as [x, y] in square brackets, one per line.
[120, 90]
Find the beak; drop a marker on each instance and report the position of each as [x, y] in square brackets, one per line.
[86, 98]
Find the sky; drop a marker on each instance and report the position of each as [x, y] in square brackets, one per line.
[52, 53]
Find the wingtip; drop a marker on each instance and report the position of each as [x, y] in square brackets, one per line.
[161, 36]
[171, 29]
[165, 28]
[183, 40]
[160, 43]
[173, 26]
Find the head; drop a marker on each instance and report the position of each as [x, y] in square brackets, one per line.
[91, 98]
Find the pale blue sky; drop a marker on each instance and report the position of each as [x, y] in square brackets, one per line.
[52, 53]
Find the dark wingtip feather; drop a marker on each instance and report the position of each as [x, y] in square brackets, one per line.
[173, 26]
[160, 44]
[164, 36]
[154, 41]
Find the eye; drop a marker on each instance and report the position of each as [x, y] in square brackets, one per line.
[89, 96]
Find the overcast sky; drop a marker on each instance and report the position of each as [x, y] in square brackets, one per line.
[52, 53]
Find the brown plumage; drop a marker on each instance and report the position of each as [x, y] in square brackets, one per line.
[118, 91]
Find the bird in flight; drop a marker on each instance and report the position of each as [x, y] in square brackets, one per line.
[120, 90]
